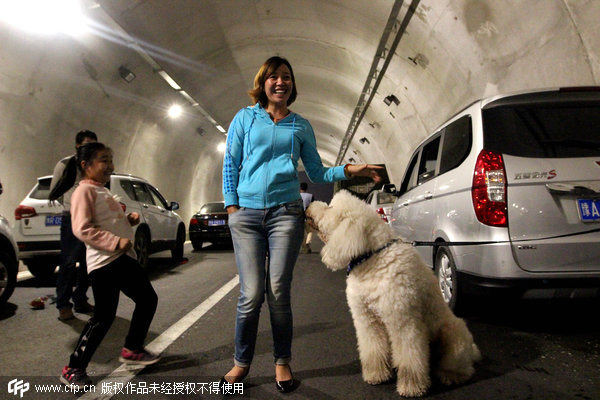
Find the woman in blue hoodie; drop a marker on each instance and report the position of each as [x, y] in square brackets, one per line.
[266, 214]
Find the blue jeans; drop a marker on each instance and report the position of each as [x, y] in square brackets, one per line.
[273, 234]
[72, 250]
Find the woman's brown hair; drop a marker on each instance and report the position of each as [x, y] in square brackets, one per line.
[258, 93]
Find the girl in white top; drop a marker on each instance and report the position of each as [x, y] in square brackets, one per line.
[99, 221]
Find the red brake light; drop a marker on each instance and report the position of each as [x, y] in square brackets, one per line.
[193, 221]
[24, 212]
[489, 189]
[382, 214]
[123, 206]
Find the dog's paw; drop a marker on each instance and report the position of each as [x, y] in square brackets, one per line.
[412, 384]
[376, 377]
[455, 377]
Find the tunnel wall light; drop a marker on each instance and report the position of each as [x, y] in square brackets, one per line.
[391, 99]
[126, 74]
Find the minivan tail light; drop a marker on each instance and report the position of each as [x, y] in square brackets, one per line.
[193, 221]
[489, 189]
[381, 213]
[24, 212]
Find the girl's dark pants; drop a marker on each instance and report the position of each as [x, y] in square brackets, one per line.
[122, 275]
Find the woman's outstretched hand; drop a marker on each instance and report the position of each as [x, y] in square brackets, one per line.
[368, 170]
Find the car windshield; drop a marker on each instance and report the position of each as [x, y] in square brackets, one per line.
[544, 130]
[42, 189]
[212, 208]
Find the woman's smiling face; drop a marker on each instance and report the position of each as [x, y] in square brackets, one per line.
[278, 86]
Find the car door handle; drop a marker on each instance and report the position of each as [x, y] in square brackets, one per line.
[428, 196]
[145, 205]
[405, 203]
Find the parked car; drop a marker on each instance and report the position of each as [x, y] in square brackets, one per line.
[506, 194]
[382, 202]
[9, 261]
[37, 223]
[210, 225]
[37, 229]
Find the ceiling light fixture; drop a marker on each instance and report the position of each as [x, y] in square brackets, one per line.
[126, 74]
[175, 111]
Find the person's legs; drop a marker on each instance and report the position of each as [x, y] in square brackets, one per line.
[106, 298]
[69, 253]
[136, 286]
[250, 248]
[82, 281]
[285, 227]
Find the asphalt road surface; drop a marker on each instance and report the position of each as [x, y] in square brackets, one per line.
[535, 349]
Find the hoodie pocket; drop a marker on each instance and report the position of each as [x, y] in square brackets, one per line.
[283, 170]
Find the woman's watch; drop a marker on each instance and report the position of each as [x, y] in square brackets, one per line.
[346, 172]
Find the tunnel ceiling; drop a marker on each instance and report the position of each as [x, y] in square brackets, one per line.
[449, 53]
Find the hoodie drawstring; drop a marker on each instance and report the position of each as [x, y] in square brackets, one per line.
[293, 130]
[247, 134]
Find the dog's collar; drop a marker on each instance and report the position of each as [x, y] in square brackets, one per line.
[358, 260]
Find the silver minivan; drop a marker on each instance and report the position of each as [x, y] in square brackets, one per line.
[506, 195]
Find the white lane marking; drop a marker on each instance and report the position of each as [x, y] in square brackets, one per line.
[124, 373]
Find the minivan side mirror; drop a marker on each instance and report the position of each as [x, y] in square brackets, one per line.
[390, 188]
[174, 206]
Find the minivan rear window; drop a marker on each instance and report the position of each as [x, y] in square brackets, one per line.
[543, 130]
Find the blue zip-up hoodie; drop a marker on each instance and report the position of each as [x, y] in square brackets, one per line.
[261, 159]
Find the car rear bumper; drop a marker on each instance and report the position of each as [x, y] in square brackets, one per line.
[38, 248]
[531, 287]
[211, 236]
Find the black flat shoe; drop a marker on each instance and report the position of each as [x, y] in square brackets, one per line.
[223, 381]
[285, 386]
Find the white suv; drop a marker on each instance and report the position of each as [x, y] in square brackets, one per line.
[9, 260]
[506, 194]
[37, 223]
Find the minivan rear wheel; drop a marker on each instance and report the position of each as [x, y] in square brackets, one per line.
[445, 270]
[142, 247]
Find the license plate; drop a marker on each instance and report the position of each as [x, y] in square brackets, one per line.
[589, 210]
[215, 222]
[53, 220]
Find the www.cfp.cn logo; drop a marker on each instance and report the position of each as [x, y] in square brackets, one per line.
[18, 387]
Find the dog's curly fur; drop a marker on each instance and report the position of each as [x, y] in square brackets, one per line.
[400, 317]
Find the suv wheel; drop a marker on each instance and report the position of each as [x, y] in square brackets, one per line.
[445, 270]
[177, 252]
[42, 267]
[142, 247]
[8, 277]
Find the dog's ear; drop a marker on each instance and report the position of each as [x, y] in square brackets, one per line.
[346, 242]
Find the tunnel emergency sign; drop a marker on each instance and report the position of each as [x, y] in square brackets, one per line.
[589, 210]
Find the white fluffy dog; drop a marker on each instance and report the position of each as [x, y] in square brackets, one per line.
[399, 314]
